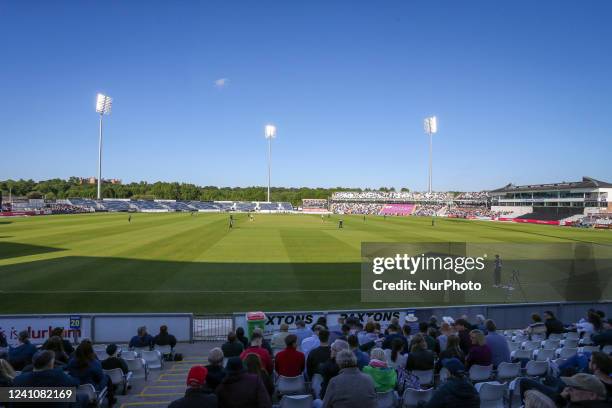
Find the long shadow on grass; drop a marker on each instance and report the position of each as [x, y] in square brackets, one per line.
[14, 249]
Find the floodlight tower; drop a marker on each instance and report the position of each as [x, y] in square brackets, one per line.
[103, 107]
[270, 133]
[431, 127]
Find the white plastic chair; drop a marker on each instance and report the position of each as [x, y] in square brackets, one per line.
[139, 350]
[571, 336]
[118, 378]
[567, 352]
[386, 399]
[508, 371]
[412, 397]
[426, 377]
[536, 368]
[538, 337]
[480, 373]
[101, 354]
[530, 345]
[551, 344]
[154, 359]
[138, 367]
[572, 343]
[544, 354]
[589, 349]
[99, 347]
[296, 401]
[491, 394]
[164, 349]
[93, 397]
[290, 385]
[522, 354]
[556, 336]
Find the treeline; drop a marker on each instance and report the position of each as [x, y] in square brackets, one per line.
[71, 188]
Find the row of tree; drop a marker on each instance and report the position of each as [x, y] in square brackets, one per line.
[73, 188]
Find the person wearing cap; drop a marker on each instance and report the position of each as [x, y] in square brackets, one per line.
[44, 375]
[456, 391]
[112, 361]
[21, 355]
[197, 394]
[350, 388]
[241, 389]
[256, 348]
[290, 362]
[584, 390]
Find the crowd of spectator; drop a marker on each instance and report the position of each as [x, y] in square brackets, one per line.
[391, 195]
[470, 212]
[356, 208]
[473, 196]
[429, 210]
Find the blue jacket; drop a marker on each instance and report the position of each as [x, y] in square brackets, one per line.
[362, 358]
[145, 341]
[92, 374]
[46, 378]
[21, 355]
[500, 351]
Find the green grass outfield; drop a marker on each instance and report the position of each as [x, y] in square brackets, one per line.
[178, 262]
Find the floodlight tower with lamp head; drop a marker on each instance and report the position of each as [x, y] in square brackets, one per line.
[431, 127]
[270, 133]
[103, 107]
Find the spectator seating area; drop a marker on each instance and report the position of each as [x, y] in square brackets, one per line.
[397, 209]
[552, 213]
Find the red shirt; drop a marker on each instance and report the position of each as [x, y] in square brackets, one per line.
[289, 362]
[264, 356]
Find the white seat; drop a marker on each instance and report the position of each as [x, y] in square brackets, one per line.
[101, 354]
[508, 371]
[296, 401]
[571, 336]
[139, 350]
[138, 367]
[538, 337]
[544, 354]
[586, 339]
[94, 397]
[556, 336]
[426, 377]
[412, 397]
[154, 359]
[607, 349]
[572, 343]
[536, 368]
[164, 349]
[317, 380]
[513, 345]
[567, 352]
[128, 355]
[589, 349]
[290, 385]
[521, 354]
[491, 394]
[101, 347]
[480, 373]
[551, 344]
[530, 345]
[386, 399]
[118, 378]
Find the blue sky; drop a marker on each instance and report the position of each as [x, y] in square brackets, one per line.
[522, 90]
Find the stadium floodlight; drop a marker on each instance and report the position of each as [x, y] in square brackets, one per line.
[104, 104]
[431, 127]
[270, 133]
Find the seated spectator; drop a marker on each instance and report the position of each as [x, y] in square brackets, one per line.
[480, 353]
[584, 390]
[452, 351]
[605, 336]
[85, 367]
[480, 323]
[312, 342]
[397, 350]
[21, 356]
[240, 389]
[432, 344]
[197, 393]
[456, 391]
[369, 335]
[278, 340]
[394, 333]
[385, 377]
[330, 369]
[3, 342]
[290, 362]
[59, 332]
[252, 363]
[462, 327]
[301, 331]
[362, 358]
[537, 328]
[142, 339]
[318, 355]
[420, 357]
[56, 345]
[264, 342]
[216, 372]
[241, 337]
[592, 325]
[112, 361]
[321, 321]
[7, 374]
[232, 347]
[256, 348]
[445, 331]
[500, 351]
[553, 325]
[350, 388]
[600, 366]
[164, 338]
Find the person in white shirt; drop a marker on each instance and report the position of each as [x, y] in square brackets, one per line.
[312, 342]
